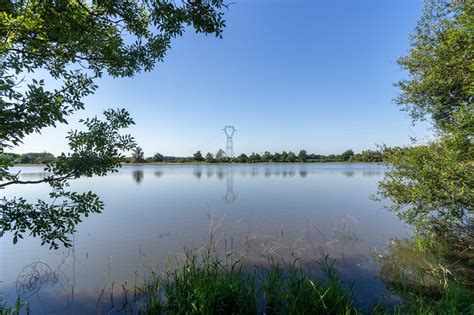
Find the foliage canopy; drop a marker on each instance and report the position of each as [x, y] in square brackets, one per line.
[432, 185]
[50, 54]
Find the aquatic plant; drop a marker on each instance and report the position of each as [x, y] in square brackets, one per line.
[15, 309]
[209, 286]
[291, 290]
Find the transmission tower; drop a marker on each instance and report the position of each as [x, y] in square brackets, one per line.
[229, 146]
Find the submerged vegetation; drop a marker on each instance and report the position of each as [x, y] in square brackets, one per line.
[432, 275]
[211, 287]
[208, 285]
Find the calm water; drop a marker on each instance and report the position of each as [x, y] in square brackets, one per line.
[153, 212]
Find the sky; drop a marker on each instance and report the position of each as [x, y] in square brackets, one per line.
[289, 75]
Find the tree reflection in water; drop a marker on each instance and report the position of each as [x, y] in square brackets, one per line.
[198, 173]
[137, 176]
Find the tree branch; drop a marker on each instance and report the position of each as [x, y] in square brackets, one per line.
[44, 180]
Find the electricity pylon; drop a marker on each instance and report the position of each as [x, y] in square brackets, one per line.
[229, 146]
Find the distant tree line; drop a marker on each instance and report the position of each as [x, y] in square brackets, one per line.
[267, 157]
[138, 156]
[28, 158]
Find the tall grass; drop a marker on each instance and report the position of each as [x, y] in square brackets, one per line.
[15, 309]
[453, 300]
[431, 277]
[291, 290]
[210, 287]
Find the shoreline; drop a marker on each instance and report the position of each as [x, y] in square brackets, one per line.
[221, 163]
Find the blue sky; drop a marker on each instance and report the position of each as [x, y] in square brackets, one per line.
[289, 75]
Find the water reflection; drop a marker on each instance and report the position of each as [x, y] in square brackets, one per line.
[48, 288]
[268, 172]
[348, 173]
[372, 173]
[332, 198]
[281, 170]
[230, 196]
[289, 173]
[198, 173]
[137, 176]
[254, 172]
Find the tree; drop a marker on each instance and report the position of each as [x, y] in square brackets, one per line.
[157, 158]
[431, 185]
[11, 158]
[75, 43]
[243, 158]
[291, 157]
[170, 159]
[45, 158]
[198, 156]
[439, 63]
[267, 156]
[369, 156]
[346, 155]
[254, 158]
[220, 156]
[27, 158]
[277, 157]
[95, 151]
[209, 158]
[302, 156]
[138, 156]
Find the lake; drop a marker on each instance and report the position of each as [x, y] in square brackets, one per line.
[154, 212]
